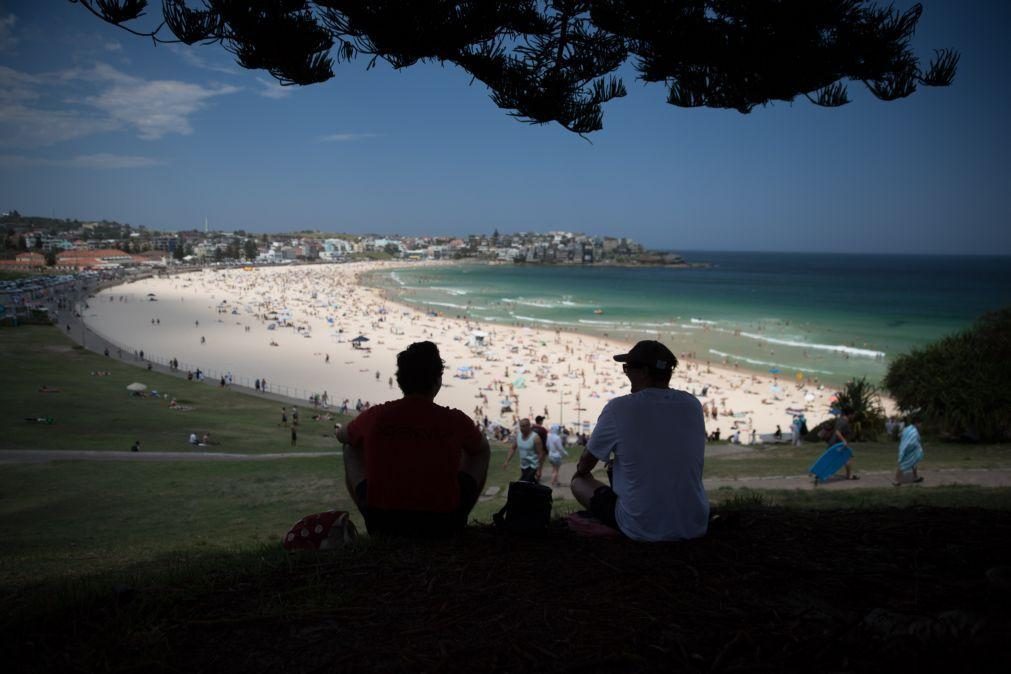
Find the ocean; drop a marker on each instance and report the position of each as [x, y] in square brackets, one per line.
[826, 316]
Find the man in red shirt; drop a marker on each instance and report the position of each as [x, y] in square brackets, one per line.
[412, 467]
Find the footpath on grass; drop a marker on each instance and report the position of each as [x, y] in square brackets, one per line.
[980, 477]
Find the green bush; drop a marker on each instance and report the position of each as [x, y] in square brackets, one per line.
[869, 417]
[864, 399]
[960, 384]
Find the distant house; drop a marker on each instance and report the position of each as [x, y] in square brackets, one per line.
[24, 262]
[107, 258]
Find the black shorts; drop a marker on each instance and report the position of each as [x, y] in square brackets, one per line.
[528, 475]
[418, 523]
[602, 505]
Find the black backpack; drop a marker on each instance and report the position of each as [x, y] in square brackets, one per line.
[527, 509]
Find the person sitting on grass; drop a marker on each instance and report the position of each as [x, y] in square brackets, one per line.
[657, 437]
[412, 467]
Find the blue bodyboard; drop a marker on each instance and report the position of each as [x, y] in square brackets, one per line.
[829, 463]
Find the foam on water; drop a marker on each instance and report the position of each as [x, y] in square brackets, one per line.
[755, 361]
[838, 348]
[540, 320]
[449, 291]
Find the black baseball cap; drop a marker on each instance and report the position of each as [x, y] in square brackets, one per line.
[649, 353]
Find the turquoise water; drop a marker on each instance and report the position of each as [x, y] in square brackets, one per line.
[828, 316]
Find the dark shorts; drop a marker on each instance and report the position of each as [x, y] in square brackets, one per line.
[528, 475]
[602, 506]
[418, 523]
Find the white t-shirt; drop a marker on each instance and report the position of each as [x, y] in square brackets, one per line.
[658, 438]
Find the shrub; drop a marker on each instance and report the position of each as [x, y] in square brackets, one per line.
[864, 399]
[960, 384]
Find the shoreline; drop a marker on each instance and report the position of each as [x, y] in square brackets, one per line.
[566, 373]
[625, 331]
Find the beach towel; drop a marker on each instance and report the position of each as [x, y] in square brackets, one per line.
[585, 524]
[910, 449]
[321, 531]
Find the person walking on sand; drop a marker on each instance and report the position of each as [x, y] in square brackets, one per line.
[415, 468]
[655, 439]
[531, 450]
[910, 451]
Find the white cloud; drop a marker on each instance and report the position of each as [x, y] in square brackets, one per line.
[18, 86]
[345, 137]
[273, 89]
[113, 46]
[8, 41]
[158, 107]
[48, 108]
[23, 126]
[190, 57]
[83, 161]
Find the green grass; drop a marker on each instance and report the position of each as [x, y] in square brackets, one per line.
[72, 518]
[867, 456]
[98, 413]
[949, 496]
[76, 518]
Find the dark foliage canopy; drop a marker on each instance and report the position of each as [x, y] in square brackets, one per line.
[554, 60]
[959, 384]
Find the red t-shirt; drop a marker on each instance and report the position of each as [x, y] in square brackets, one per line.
[413, 449]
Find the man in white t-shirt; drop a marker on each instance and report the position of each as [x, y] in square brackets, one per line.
[657, 438]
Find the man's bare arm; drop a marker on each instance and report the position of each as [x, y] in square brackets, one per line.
[587, 462]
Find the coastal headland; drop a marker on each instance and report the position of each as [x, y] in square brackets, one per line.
[297, 328]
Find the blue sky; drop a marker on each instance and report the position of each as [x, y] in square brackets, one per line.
[95, 123]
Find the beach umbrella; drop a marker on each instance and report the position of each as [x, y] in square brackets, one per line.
[136, 386]
[774, 370]
[360, 338]
[809, 397]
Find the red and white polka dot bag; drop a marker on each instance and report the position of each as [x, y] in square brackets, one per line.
[322, 531]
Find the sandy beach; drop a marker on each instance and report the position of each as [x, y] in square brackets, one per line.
[294, 327]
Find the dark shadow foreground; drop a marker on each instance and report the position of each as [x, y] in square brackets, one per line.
[917, 589]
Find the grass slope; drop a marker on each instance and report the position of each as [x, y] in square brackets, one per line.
[98, 413]
[769, 589]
